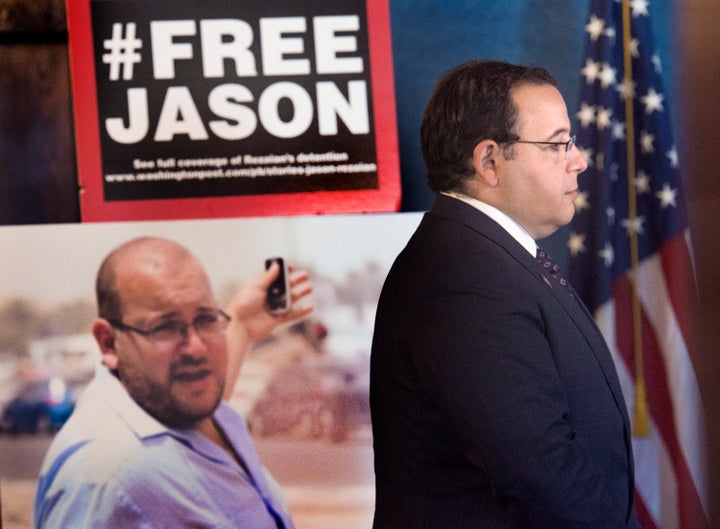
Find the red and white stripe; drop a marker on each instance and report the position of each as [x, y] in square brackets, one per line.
[669, 464]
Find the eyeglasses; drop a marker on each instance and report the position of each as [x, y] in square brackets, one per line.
[206, 325]
[555, 144]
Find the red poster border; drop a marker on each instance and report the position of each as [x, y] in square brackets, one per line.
[94, 208]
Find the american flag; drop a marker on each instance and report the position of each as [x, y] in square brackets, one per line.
[630, 259]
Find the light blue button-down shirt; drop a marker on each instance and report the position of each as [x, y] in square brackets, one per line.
[114, 466]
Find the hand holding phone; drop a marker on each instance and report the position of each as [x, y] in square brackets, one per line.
[277, 299]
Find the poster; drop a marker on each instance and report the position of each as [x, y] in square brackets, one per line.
[322, 461]
[217, 108]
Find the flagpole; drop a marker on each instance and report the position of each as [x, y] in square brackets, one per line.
[641, 423]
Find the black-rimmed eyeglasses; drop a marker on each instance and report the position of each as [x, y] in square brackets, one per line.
[206, 325]
[568, 145]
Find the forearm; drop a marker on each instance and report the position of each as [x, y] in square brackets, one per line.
[250, 320]
[239, 342]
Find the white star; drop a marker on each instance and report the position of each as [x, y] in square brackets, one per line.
[634, 226]
[586, 114]
[618, 131]
[576, 243]
[635, 48]
[672, 155]
[610, 34]
[646, 142]
[653, 101]
[607, 254]
[607, 76]
[614, 168]
[604, 118]
[639, 7]
[642, 182]
[656, 62]
[600, 161]
[595, 27]
[581, 202]
[626, 88]
[590, 71]
[610, 215]
[667, 196]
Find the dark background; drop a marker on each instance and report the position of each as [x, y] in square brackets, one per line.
[112, 102]
[38, 179]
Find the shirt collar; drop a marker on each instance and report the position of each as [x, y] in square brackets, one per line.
[509, 224]
[145, 425]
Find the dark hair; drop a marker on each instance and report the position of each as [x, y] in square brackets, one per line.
[106, 292]
[472, 102]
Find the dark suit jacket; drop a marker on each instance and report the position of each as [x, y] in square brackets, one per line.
[495, 402]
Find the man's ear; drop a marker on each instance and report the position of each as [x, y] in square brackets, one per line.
[484, 158]
[104, 334]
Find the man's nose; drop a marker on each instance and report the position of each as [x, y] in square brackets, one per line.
[576, 159]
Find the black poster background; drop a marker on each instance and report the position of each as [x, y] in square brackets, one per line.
[112, 101]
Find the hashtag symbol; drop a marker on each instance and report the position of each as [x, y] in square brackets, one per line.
[122, 51]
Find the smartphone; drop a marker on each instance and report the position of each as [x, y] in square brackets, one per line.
[277, 300]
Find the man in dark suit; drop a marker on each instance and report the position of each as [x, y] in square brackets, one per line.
[495, 402]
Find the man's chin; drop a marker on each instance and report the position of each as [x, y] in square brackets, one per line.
[186, 411]
[185, 418]
[191, 411]
[183, 404]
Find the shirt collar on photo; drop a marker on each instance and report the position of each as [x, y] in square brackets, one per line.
[517, 232]
[145, 425]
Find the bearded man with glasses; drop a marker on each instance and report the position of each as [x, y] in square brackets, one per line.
[151, 442]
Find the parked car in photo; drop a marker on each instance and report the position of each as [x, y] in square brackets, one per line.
[39, 406]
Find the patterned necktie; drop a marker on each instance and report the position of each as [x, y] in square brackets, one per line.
[549, 264]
